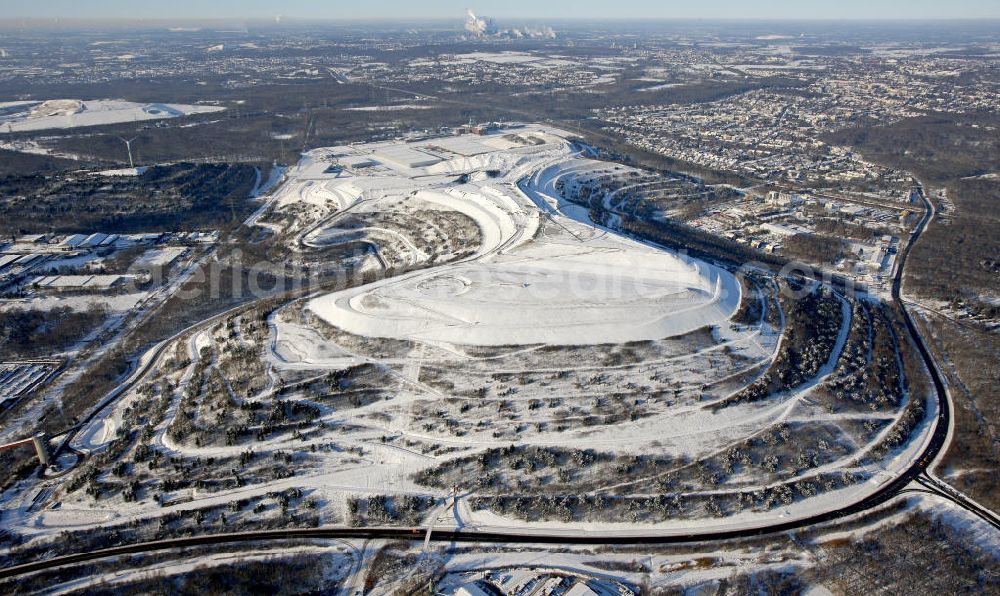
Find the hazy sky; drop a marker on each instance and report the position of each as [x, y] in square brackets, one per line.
[509, 9]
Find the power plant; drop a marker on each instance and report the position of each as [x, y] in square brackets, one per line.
[485, 27]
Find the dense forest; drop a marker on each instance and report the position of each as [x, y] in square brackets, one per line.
[178, 197]
[813, 248]
[14, 163]
[41, 333]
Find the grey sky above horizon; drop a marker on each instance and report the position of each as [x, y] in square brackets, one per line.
[508, 9]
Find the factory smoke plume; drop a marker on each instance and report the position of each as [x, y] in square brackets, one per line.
[483, 27]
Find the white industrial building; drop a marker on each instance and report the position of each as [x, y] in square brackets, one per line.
[406, 156]
[68, 283]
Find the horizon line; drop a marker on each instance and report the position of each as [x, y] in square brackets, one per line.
[278, 19]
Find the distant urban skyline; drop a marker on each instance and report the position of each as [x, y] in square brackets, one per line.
[510, 9]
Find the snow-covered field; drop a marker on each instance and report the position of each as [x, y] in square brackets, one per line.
[72, 113]
[584, 287]
[389, 108]
[603, 295]
[507, 319]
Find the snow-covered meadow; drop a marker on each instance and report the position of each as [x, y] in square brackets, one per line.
[73, 113]
[503, 343]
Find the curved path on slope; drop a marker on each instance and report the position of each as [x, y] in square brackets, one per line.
[522, 289]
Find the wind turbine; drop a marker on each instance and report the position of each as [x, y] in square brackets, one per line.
[128, 147]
